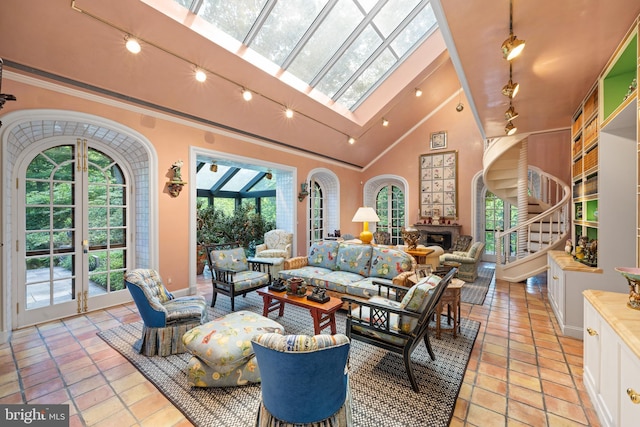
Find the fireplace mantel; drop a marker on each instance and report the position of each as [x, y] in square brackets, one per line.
[426, 229]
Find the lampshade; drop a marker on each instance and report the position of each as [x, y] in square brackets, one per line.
[365, 215]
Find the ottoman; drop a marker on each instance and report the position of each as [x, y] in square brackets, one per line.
[222, 351]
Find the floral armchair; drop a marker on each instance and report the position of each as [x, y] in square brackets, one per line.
[277, 244]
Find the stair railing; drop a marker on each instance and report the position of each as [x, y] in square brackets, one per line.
[553, 222]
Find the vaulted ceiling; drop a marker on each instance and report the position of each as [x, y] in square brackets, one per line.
[80, 43]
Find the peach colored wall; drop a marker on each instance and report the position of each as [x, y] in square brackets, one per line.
[551, 152]
[462, 135]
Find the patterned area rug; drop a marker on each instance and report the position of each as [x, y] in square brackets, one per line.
[381, 392]
[475, 292]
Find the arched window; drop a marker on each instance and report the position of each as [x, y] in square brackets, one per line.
[390, 207]
[317, 214]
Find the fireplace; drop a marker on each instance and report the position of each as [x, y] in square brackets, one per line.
[438, 235]
[442, 239]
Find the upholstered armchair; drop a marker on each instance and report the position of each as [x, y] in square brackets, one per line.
[232, 274]
[304, 380]
[382, 237]
[277, 244]
[165, 317]
[469, 261]
[397, 319]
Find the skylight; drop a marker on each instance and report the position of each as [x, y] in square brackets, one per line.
[343, 48]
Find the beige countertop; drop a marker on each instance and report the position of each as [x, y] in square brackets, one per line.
[625, 321]
[567, 263]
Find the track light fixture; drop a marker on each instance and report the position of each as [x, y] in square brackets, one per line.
[511, 113]
[200, 75]
[510, 129]
[132, 44]
[269, 175]
[512, 46]
[246, 94]
[385, 122]
[460, 105]
[289, 114]
[214, 167]
[351, 140]
[418, 92]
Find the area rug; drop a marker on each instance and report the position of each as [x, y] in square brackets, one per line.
[475, 292]
[381, 392]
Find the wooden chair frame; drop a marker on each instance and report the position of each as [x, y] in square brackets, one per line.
[379, 321]
[223, 280]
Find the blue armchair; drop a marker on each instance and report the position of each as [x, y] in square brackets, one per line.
[304, 379]
[165, 317]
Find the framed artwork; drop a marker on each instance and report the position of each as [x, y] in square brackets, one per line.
[438, 140]
[439, 185]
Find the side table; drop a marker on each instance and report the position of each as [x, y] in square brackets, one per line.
[451, 300]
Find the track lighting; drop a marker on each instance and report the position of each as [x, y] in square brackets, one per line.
[511, 113]
[351, 140]
[418, 92]
[385, 122]
[132, 44]
[247, 95]
[510, 89]
[289, 114]
[460, 105]
[201, 76]
[511, 47]
[510, 129]
[214, 167]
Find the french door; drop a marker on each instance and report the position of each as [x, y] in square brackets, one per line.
[73, 216]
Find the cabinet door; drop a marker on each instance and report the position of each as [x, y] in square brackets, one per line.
[629, 388]
[609, 372]
[556, 292]
[591, 354]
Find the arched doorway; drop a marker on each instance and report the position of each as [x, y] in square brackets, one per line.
[69, 220]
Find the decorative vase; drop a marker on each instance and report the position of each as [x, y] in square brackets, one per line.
[410, 237]
[633, 278]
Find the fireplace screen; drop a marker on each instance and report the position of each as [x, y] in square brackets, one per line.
[439, 185]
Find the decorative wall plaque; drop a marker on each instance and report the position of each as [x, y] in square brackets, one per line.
[439, 185]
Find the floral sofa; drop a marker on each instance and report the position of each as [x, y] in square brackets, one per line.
[349, 268]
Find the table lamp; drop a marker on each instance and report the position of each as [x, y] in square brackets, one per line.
[365, 215]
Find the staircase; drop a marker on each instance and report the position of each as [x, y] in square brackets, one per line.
[542, 200]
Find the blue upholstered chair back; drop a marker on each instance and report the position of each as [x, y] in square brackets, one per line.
[149, 294]
[303, 386]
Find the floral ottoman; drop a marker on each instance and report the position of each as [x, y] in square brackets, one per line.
[222, 351]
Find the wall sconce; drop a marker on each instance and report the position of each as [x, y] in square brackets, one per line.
[303, 192]
[176, 183]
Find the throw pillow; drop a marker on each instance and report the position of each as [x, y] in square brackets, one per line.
[416, 297]
[230, 259]
[388, 263]
[323, 254]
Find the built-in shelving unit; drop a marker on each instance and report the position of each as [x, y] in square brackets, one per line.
[585, 167]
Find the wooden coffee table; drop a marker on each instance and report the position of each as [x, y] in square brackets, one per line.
[324, 315]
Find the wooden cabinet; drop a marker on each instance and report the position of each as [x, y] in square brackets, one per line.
[611, 369]
[566, 281]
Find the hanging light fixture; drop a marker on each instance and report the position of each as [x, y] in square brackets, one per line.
[510, 129]
[510, 90]
[460, 105]
[512, 46]
[511, 113]
[132, 44]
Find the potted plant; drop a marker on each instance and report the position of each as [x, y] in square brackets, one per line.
[207, 232]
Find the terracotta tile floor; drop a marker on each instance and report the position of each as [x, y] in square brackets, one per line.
[521, 373]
